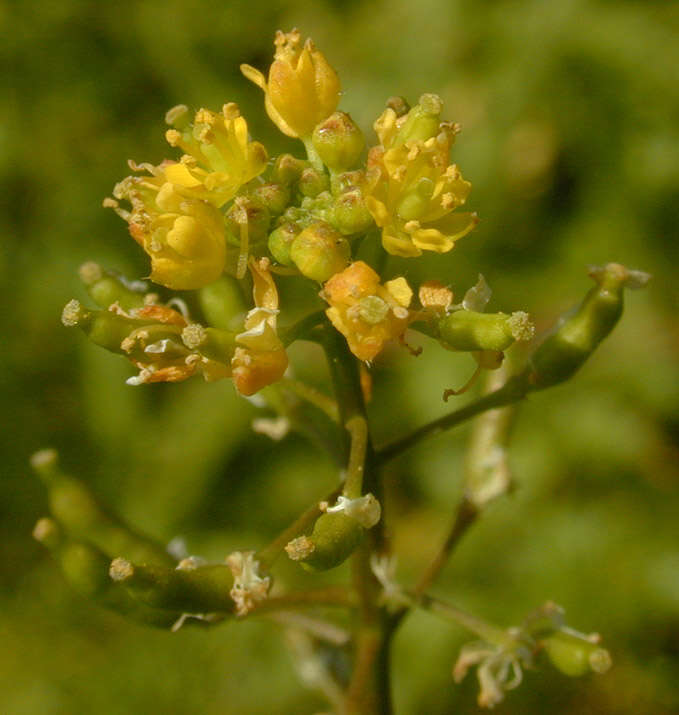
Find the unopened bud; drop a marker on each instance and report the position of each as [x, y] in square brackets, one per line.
[319, 252]
[287, 169]
[338, 141]
[273, 196]
[349, 213]
[312, 182]
[250, 211]
[280, 242]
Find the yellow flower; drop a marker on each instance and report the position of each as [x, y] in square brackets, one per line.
[303, 89]
[219, 158]
[367, 313]
[412, 190]
[184, 237]
[260, 358]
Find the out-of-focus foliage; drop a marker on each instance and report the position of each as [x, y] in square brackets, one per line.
[570, 138]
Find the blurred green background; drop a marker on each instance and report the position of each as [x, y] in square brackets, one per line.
[570, 137]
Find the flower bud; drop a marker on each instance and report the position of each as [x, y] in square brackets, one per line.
[273, 196]
[350, 214]
[563, 353]
[312, 182]
[250, 211]
[320, 252]
[287, 169]
[334, 538]
[302, 88]
[338, 141]
[468, 330]
[280, 242]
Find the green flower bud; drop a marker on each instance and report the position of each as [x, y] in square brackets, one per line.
[222, 303]
[468, 330]
[575, 655]
[338, 141]
[319, 252]
[312, 182]
[422, 122]
[287, 169]
[347, 181]
[334, 538]
[75, 507]
[349, 213]
[107, 287]
[275, 197]
[280, 242]
[562, 354]
[195, 589]
[248, 210]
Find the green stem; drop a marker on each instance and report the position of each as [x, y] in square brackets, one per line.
[301, 329]
[313, 155]
[515, 389]
[313, 397]
[358, 429]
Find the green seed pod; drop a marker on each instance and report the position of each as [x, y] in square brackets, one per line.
[222, 303]
[280, 242]
[313, 182]
[334, 538]
[468, 330]
[76, 508]
[107, 287]
[349, 213]
[423, 120]
[338, 141]
[85, 568]
[103, 327]
[197, 589]
[576, 656]
[274, 196]
[562, 354]
[212, 343]
[319, 252]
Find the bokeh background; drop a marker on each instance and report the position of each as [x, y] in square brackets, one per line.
[570, 137]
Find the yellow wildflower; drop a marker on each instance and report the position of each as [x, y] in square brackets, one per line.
[303, 89]
[412, 190]
[260, 358]
[367, 313]
[184, 237]
[219, 158]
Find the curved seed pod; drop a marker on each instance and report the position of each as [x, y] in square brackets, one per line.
[334, 538]
[562, 354]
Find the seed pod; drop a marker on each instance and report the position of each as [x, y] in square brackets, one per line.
[468, 330]
[576, 656]
[422, 121]
[334, 538]
[562, 354]
[80, 513]
[107, 287]
[222, 303]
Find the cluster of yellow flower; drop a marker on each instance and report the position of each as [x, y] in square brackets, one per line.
[224, 208]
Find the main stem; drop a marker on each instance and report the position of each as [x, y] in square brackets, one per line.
[369, 691]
